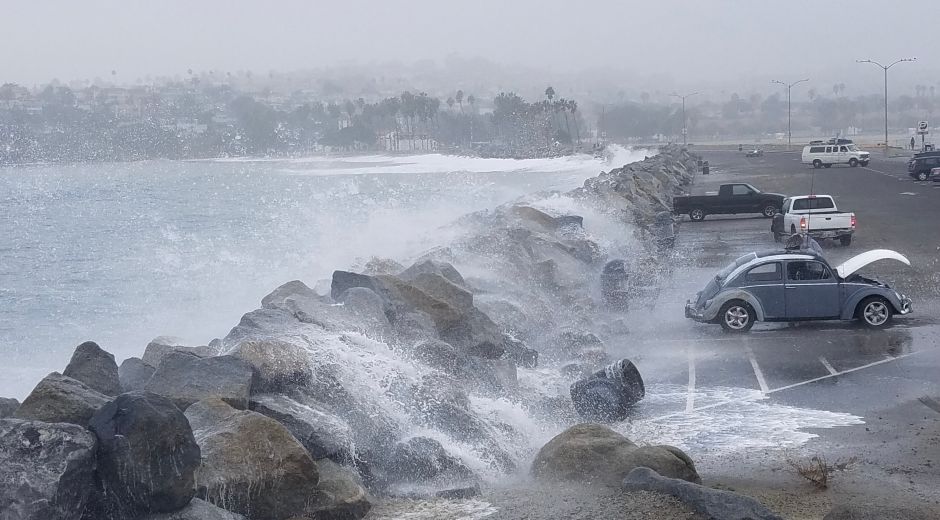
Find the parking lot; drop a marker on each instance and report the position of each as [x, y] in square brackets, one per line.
[782, 384]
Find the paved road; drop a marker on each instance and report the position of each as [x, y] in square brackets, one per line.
[725, 396]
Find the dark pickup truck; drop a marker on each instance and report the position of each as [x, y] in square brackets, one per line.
[731, 199]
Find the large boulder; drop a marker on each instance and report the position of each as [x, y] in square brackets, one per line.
[197, 510]
[292, 289]
[253, 466]
[339, 494]
[8, 406]
[134, 374]
[423, 460]
[608, 395]
[344, 280]
[595, 453]
[186, 378]
[208, 412]
[147, 456]
[323, 434]
[91, 365]
[45, 470]
[160, 346]
[710, 503]
[367, 306]
[277, 364]
[434, 267]
[58, 398]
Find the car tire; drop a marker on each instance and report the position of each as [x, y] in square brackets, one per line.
[736, 316]
[853, 162]
[864, 163]
[769, 211]
[827, 165]
[817, 164]
[923, 176]
[874, 312]
[697, 214]
[845, 240]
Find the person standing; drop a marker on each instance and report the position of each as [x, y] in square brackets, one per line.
[912, 142]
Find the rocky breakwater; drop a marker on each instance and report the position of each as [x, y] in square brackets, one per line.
[422, 380]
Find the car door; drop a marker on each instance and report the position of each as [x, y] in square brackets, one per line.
[743, 199]
[765, 282]
[811, 290]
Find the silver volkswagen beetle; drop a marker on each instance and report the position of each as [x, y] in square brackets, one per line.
[797, 286]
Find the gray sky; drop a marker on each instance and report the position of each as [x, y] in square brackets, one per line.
[693, 41]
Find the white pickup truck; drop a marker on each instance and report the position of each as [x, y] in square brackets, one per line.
[815, 215]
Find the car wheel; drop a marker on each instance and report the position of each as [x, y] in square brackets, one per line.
[845, 240]
[864, 163]
[853, 162]
[874, 312]
[736, 316]
[697, 215]
[827, 165]
[922, 176]
[769, 211]
[817, 164]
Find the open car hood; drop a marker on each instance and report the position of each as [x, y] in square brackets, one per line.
[857, 262]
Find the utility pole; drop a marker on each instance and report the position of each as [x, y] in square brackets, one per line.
[789, 86]
[886, 90]
[685, 131]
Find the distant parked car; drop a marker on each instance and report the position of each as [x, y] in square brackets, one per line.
[816, 216]
[922, 165]
[757, 152]
[820, 155]
[731, 199]
[797, 286]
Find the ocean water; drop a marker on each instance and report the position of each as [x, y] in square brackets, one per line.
[120, 253]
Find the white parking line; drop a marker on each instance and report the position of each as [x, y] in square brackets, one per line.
[829, 367]
[757, 371]
[883, 361]
[690, 400]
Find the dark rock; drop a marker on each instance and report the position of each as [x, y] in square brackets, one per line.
[277, 364]
[253, 466]
[91, 365]
[441, 355]
[609, 394]
[403, 295]
[208, 412]
[294, 289]
[439, 287]
[45, 470]
[421, 459]
[61, 399]
[344, 280]
[147, 456]
[160, 346]
[134, 374]
[486, 350]
[186, 378]
[710, 503]
[596, 454]
[365, 305]
[434, 267]
[258, 324]
[8, 406]
[320, 432]
[197, 510]
[339, 495]
[462, 493]
[880, 508]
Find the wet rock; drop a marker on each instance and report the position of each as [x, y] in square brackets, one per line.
[710, 503]
[277, 364]
[134, 374]
[91, 365]
[147, 455]
[608, 394]
[186, 378]
[339, 495]
[259, 323]
[441, 355]
[881, 509]
[292, 289]
[403, 295]
[8, 406]
[595, 453]
[160, 346]
[197, 510]
[434, 267]
[421, 459]
[319, 431]
[367, 306]
[345, 280]
[615, 281]
[253, 466]
[61, 399]
[439, 287]
[462, 493]
[208, 412]
[45, 470]
[377, 265]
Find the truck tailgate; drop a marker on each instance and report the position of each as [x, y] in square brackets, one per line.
[822, 222]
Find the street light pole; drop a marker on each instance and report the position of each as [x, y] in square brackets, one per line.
[789, 86]
[886, 89]
[685, 131]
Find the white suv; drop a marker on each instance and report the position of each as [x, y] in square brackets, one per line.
[820, 155]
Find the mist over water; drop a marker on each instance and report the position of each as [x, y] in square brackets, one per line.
[120, 253]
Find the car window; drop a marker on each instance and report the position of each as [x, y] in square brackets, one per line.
[843, 149]
[770, 272]
[739, 189]
[807, 270]
[816, 149]
[786, 206]
[814, 203]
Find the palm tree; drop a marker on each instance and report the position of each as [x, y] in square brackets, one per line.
[550, 93]
[459, 98]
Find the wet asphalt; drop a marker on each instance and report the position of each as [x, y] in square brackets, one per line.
[876, 378]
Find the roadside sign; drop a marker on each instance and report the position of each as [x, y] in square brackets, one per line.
[922, 128]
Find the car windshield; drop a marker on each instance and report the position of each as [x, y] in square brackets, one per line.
[853, 148]
[724, 273]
